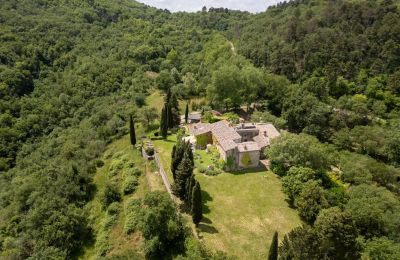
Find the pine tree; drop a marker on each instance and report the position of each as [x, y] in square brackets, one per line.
[163, 124]
[132, 131]
[187, 113]
[196, 206]
[273, 250]
[182, 174]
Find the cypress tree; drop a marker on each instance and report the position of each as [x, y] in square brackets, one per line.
[273, 250]
[177, 157]
[163, 124]
[196, 207]
[173, 154]
[188, 193]
[188, 150]
[182, 174]
[132, 131]
[186, 113]
[170, 116]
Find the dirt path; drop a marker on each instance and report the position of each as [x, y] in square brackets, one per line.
[233, 49]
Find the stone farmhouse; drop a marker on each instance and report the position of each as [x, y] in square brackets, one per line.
[240, 146]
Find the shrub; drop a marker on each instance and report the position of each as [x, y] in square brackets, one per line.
[202, 169]
[211, 172]
[115, 166]
[102, 246]
[150, 151]
[110, 194]
[113, 208]
[99, 163]
[130, 184]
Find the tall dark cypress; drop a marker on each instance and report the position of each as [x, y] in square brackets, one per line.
[173, 154]
[189, 187]
[187, 113]
[273, 250]
[182, 174]
[163, 124]
[196, 206]
[132, 131]
[178, 156]
[170, 116]
[189, 151]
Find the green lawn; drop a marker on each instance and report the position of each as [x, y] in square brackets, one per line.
[164, 148]
[241, 210]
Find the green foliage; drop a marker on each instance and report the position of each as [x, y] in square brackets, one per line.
[110, 194]
[375, 211]
[273, 249]
[162, 228]
[183, 174]
[294, 180]
[132, 133]
[338, 234]
[381, 248]
[148, 115]
[298, 150]
[208, 117]
[164, 123]
[266, 117]
[186, 113]
[129, 185]
[310, 201]
[196, 203]
[232, 117]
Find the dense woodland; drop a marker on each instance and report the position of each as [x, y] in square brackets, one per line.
[73, 72]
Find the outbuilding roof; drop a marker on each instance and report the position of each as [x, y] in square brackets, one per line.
[248, 147]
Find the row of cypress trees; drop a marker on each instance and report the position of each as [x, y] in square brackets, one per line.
[185, 186]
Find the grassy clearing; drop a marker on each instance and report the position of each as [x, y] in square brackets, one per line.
[164, 148]
[241, 210]
[111, 237]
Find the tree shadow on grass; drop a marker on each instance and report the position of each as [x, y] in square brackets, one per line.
[205, 197]
[247, 171]
[207, 228]
[206, 220]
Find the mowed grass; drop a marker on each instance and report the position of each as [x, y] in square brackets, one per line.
[241, 210]
[164, 149]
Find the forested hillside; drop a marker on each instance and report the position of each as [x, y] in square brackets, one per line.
[72, 73]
